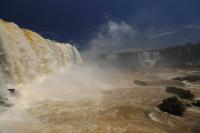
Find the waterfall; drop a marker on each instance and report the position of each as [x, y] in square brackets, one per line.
[25, 55]
[138, 59]
[147, 59]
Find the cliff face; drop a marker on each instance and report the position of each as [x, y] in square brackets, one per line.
[177, 56]
[130, 60]
[25, 55]
[181, 56]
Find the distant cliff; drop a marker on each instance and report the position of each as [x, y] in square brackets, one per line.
[137, 59]
[178, 56]
[26, 55]
[187, 55]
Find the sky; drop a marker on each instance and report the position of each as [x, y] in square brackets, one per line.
[108, 24]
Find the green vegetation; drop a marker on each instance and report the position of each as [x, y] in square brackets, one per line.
[185, 94]
[183, 55]
[172, 105]
[190, 78]
[140, 82]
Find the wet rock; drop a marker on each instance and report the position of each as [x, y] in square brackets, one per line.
[11, 90]
[172, 105]
[190, 78]
[4, 98]
[4, 102]
[140, 82]
[187, 103]
[196, 103]
[185, 94]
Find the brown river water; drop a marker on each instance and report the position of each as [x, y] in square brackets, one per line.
[80, 103]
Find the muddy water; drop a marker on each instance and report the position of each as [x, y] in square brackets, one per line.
[125, 108]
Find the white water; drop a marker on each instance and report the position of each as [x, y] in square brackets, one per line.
[78, 99]
[25, 55]
[143, 59]
[148, 59]
[44, 74]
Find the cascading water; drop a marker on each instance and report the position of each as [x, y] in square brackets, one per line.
[26, 55]
[148, 59]
[138, 59]
[83, 99]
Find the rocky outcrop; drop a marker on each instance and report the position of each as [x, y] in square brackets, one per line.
[178, 56]
[172, 105]
[184, 94]
[189, 78]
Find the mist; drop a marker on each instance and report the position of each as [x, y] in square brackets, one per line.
[137, 73]
[79, 85]
[116, 36]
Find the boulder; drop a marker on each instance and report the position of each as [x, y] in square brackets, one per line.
[4, 102]
[172, 105]
[196, 103]
[140, 82]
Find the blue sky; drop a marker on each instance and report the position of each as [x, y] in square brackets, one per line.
[151, 23]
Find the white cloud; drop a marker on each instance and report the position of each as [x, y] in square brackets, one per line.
[113, 36]
[192, 26]
[120, 36]
[162, 34]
